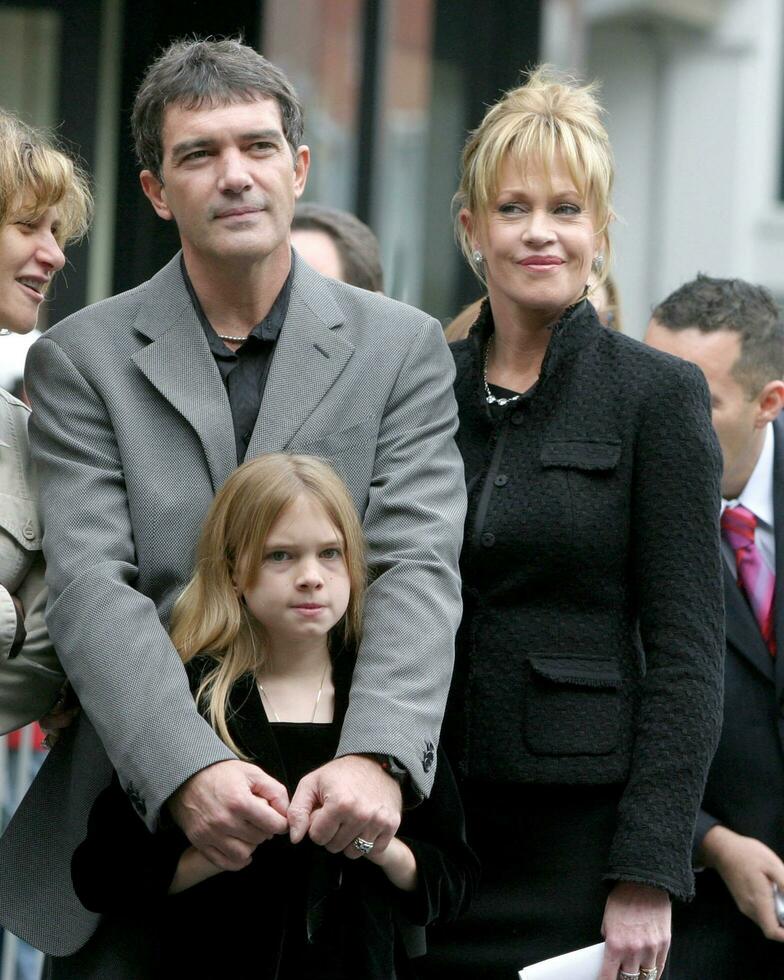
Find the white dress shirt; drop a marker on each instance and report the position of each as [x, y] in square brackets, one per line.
[757, 496]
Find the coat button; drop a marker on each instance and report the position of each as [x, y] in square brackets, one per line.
[517, 418]
[28, 531]
[488, 539]
[501, 480]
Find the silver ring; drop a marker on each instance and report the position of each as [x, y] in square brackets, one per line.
[651, 974]
[622, 975]
[365, 846]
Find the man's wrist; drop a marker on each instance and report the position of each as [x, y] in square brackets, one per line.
[391, 766]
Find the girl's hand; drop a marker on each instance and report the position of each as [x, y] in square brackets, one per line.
[398, 863]
[636, 929]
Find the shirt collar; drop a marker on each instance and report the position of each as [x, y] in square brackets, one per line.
[269, 328]
[757, 495]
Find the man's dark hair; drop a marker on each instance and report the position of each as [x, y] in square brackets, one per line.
[740, 307]
[194, 73]
[356, 244]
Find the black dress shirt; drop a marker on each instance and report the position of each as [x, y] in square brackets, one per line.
[245, 370]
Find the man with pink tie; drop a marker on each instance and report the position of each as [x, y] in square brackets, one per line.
[733, 331]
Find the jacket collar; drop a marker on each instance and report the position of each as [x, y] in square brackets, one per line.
[179, 364]
[577, 326]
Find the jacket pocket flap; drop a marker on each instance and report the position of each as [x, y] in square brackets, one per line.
[581, 455]
[580, 671]
[19, 519]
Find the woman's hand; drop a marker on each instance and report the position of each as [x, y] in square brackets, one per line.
[636, 930]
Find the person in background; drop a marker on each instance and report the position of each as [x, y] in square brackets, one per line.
[45, 202]
[732, 330]
[586, 699]
[338, 245]
[607, 303]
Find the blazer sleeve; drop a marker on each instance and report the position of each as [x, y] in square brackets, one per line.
[677, 576]
[116, 652]
[447, 868]
[121, 865]
[414, 528]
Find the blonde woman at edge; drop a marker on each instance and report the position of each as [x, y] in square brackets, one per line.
[586, 698]
[44, 203]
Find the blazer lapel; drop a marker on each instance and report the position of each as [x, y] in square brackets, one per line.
[180, 365]
[778, 530]
[309, 357]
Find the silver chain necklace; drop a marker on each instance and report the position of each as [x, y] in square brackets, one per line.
[266, 696]
[490, 398]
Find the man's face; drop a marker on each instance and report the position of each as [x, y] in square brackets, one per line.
[736, 417]
[228, 180]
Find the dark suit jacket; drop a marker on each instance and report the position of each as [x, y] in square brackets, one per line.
[591, 646]
[745, 789]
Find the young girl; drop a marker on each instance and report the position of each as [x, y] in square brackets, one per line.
[267, 628]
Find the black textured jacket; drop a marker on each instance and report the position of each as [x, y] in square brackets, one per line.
[592, 639]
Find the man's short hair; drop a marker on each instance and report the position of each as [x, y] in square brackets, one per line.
[750, 311]
[195, 73]
[356, 244]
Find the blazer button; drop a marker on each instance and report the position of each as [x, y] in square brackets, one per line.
[517, 418]
[488, 539]
[501, 480]
[28, 531]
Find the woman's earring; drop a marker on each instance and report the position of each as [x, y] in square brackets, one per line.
[478, 257]
[598, 262]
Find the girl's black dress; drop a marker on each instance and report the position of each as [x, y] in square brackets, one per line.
[296, 912]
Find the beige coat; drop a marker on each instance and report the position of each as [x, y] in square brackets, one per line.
[30, 682]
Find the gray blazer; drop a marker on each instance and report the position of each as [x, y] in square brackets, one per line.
[132, 433]
[30, 682]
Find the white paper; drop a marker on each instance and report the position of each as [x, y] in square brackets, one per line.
[581, 964]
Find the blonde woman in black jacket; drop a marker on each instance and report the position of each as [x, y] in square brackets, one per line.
[585, 705]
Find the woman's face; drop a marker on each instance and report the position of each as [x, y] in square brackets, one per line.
[29, 258]
[537, 238]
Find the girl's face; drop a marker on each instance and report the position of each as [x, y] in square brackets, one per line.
[302, 588]
[29, 258]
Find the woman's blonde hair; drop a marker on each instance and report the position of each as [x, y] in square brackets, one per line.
[549, 116]
[210, 617]
[35, 175]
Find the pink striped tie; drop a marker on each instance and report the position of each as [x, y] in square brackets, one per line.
[754, 577]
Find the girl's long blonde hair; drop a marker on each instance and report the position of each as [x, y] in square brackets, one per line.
[210, 617]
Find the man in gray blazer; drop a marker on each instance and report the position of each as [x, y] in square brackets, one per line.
[142, 405]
